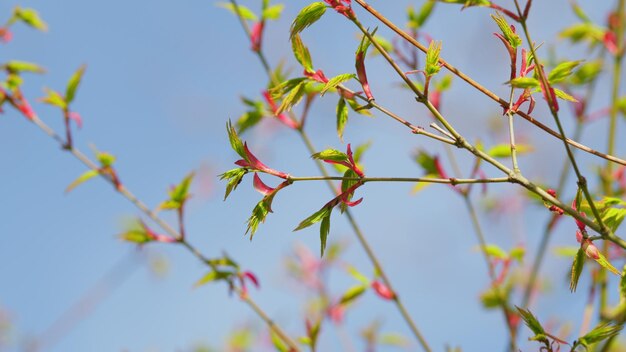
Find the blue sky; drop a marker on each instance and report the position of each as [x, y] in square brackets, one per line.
[163, 78]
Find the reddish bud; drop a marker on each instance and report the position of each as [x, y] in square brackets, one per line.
[317, 76]
[256, 36]
[591, 250]
[26, 110]
[336, 313]
[252, 278]
[344, 7]
[360, 71]
[5, 35]
[383, 290]
[610, 42]
[253, 163]
[74, 116]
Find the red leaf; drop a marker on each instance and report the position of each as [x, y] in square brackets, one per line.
[260, 186]
[383, 291]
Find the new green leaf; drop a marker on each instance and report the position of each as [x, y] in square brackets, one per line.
[307, 16]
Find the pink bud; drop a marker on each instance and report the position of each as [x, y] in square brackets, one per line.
[250, 276]
[579, 236]
[383, 291]
[260, 186]
[256, 36]
[74, 116]
[360, 71]
[591, 250]
[26, 110]
[610, 42]
[317, 76]
[336, 313]
[5, 35]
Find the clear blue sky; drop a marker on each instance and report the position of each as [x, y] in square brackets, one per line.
[163, 78]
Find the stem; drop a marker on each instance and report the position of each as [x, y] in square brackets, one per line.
[482, 89]
[509, 114]
[451, 180]
[164, 225]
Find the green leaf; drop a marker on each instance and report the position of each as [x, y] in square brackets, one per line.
[273, 12]
[337, 80]
[577, 269]
[562, 71]
[613, 217]
[507, 32]
[293, 98]
[531, 321]
[332, 155]
[301, 53]
[417, 20]
[493, 250]
[384, 43]
[524, 82]
[235, 142]
[427, 162]
[607, 265]
[211, 276]
[622, 285]
[352, 293]
[494, 297]
[72, 85]
[89, 174]
[578, 11]
[587, 72]
[105, 159]
[601, 332]
[316, 217]
[357, 275]
[432, 59]
[444, 83]
[259, 213]
[562, 95]
[30, 17]
[179, 194]
[342, 117]
[245, 12]
[307, 16]
[249, 119]
[234, 177]
[135, 236]
[54, 98]
[621, 105]
[518, 253]
[324, 230]
[504, 150]
[22, 66]
[583, 31]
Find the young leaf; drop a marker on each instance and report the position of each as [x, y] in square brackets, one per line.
[531, 321]
[337, 80]
[211, 276]
[307, 16]
[316, 217]
[587, 72]
[504, 150]
[577, 269]
[292, 98]
[273, 12]
[301, 53]
[245, 12]
[178, 195]
[601, 332]
[54, 98]
[259, 213]
[357, 275]
[493, 250]
[432, 59]
[324, 230]
[89, 174]
[331, 155]
[342, 117]
[352, 293]
[105, 159]
[562, 95]
[562, 71]
[524, 82]
[22, 66]
[234, 177]
[417, 20]
[30, 17]
[235, 142]
[507, 32]
[72, 85]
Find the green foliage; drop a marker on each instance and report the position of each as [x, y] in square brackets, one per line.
[72, 84]
[352, 294]
[15, 66]
[531, 321]
[417, 19]
[342, 116]
[234, 177]
[301, 53]
[504, 150]
[577, 269]
[524, 82]
[87, 175]
[307, 16]
[273, 12]
[432, 59]
[29, 17]
[337, 80]
[251, 117]
[509, 35]
[602, 331]
[178, 194]
[241, 10]
[332, 155]
[562, 71]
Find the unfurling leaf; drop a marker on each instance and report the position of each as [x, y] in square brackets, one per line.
[417, 20]
[235, 141]
[72, 85]
[307, 16]
[507, 32]
[30, 17]
[234, 177]
[562, 95]
[54, 98]
[178, 194]
[89, 174]
[601, 332]
[577, 269]
[524, 82]
[531, 321]
[504, 150]
[331, 155]
[432, 59]
[337, 80]
[316, 217]
[324, 230]
[562, 71]
[22, 66]
[273, 12]
[243, 11]
[213, 275]
[301, 53]
[342, 117]
[352, 293]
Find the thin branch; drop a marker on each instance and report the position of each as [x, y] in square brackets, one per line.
[484, 90]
